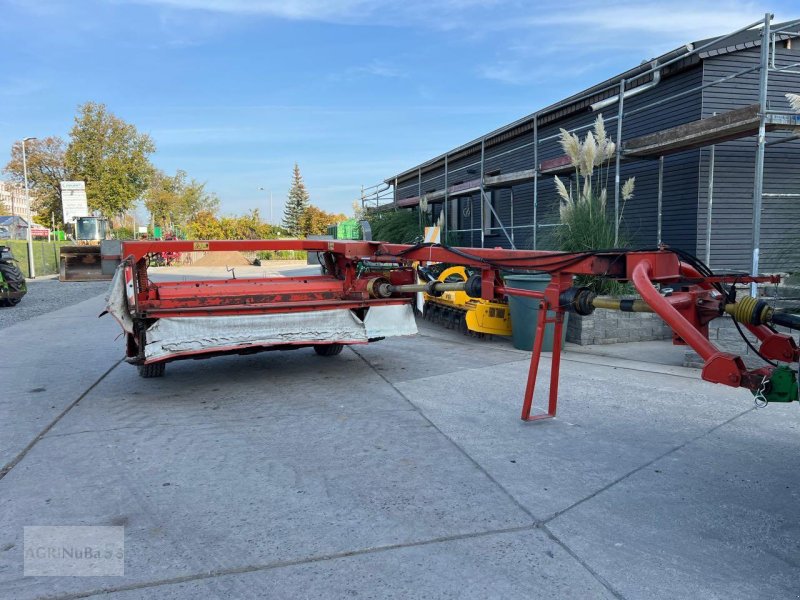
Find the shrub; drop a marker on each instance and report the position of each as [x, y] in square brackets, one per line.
[122, 233]
[395, 226]
[281, 255]
[585, 220]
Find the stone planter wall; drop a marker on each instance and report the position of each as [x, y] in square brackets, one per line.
[614, 327]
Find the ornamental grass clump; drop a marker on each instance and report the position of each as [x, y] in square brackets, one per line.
[585, 221]
[794, 101]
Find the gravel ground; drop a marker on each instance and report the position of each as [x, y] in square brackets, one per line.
[46, 295]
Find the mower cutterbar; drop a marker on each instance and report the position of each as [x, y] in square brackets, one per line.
[348, 305]
[171, 320]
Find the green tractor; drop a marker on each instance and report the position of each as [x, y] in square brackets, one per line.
[12, 281]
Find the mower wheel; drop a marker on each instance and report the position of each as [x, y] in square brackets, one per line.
[152, 370]
[328, 349]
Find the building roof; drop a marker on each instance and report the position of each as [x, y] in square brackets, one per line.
[671, 62]
[8, 220]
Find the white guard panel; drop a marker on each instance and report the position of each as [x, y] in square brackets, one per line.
[117, 300]
[191, 335]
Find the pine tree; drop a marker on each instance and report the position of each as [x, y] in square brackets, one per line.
[296, 205]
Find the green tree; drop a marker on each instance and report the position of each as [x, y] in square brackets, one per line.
[46, 170]
[111, 156]
[296, 205]
[172, 200]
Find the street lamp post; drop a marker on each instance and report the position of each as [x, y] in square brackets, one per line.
[270, 203]
[31, 268]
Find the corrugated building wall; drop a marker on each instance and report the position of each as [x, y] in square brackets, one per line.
[734, 170]
[529, 212]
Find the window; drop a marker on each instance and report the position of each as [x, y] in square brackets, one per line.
[452, 209]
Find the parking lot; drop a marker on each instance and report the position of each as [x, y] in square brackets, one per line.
[397, 469]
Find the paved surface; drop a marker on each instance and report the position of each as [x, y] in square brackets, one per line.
[398, 469]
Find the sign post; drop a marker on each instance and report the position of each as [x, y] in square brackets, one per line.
[73, 200]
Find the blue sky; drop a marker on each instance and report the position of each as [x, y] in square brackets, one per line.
[235, 91]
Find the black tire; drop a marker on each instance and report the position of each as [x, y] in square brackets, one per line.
[328, 349]
[15, 281]
[152, 370]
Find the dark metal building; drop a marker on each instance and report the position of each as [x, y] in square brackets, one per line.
[689, 121]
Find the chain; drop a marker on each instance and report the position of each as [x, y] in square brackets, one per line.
[760, 399]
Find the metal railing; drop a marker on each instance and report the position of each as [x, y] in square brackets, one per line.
[375, 196]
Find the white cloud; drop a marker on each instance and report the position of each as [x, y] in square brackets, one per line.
[375, 68]
[679, 17]
[289, 9]
[443, 14]
[522, 72]
[684, 21]
[606, 38]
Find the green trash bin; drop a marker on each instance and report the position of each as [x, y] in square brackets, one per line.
[525, 313]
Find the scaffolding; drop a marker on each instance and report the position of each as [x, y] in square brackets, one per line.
[754, 120]
[376, 196]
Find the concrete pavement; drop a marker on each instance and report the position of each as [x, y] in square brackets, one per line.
[398, 469]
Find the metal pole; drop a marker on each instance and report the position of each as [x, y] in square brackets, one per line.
[445, 224]
[660, 195]
[511, 190]
[270, 203]
[483, 200]
[620, 108]
[758, 183]
[31, 267]
[500, 223]
[419, 194]
[709, 203]
[535, 176]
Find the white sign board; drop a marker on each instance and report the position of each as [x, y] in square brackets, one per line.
[143, 229]
[73, 200]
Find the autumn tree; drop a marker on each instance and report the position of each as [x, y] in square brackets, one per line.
[171, 199]
[46, 170]
[296, 205]
[315, 221]
[111, 156]
[206, 226]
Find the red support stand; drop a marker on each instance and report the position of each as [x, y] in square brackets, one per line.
[555, 363]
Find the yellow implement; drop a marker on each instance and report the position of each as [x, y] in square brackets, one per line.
[456, 310]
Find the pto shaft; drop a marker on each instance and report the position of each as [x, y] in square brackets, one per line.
[757, 312]
[379, 287]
